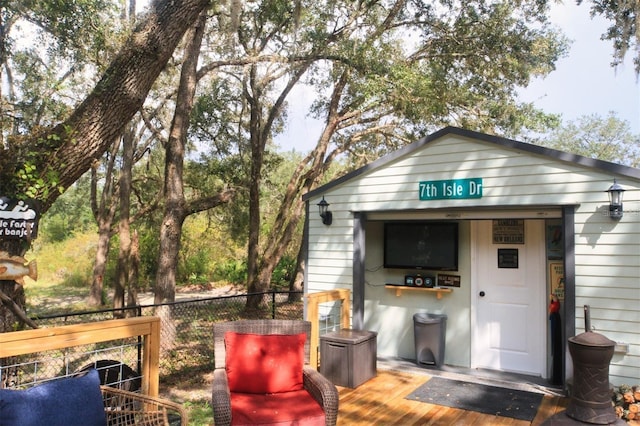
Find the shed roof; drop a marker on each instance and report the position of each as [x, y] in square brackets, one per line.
[562, 156]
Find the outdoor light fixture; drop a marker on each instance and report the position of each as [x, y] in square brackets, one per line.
[325, 214]
[615, 200]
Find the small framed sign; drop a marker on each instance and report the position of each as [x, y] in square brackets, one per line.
[508, 258]
[556, 278]
[445, 280]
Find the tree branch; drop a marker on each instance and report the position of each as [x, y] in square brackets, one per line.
[16, 310]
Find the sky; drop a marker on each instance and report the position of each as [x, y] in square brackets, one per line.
[584, 83]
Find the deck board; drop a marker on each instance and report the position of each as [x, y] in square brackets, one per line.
[381, 401]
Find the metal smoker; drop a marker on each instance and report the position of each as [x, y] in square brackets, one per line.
[591, 397]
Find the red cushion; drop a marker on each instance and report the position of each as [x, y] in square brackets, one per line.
[258, 363]
[280, 409]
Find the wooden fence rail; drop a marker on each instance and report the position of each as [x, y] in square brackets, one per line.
[56, 338]
[313, 302]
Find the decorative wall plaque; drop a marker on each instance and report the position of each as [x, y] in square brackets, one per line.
[508, 231]
[508, 258]
[445, 280]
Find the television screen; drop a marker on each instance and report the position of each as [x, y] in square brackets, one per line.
[421, 245]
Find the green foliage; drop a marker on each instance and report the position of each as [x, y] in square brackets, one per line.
[70, 214]
[77, 28]
[64, 271]
[214, 119]
[149, 246]
[195, 267]
[34, 185]
[59, 260]
[427, 67]
[624, 31]
[234, 271]
[56, 229]
[36, 77]
[608, 139]
[19, 175]
[76, 279]
[283, 272]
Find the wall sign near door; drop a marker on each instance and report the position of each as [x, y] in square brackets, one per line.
[508, 258]
[508, 231]
[448, 280]
[556, 278]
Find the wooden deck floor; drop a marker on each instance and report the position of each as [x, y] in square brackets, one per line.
[381, 401]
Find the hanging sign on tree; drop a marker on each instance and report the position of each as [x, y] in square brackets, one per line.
[18, 219]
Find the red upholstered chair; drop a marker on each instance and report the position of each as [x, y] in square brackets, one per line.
[262, 376]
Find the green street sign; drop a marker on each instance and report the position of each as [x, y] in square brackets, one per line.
[454, 189]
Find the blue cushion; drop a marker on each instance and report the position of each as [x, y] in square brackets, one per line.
[61, 402]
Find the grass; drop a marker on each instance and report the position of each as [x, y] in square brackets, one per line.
[64, 275]
[200, 412]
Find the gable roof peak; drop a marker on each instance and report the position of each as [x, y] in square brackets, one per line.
[613, 168]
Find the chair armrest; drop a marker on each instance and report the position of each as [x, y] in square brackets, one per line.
[221, 398]
[125, 408]
[322, 391]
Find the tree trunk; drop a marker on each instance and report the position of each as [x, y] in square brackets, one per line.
[10, 320]
[134, 268]
[96, 293]
[67, 151]
[253, 256]
[260, 267]
[257, 135]
[104, 213]
[176, 208]
[124, 231]
[297, 280]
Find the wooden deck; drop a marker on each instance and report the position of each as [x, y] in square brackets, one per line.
[381, 401]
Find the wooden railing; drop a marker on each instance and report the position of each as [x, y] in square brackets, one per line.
[56, 338]
[313, 302]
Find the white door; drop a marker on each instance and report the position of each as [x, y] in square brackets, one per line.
[508, 300]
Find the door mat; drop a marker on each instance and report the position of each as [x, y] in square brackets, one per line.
[516, 404]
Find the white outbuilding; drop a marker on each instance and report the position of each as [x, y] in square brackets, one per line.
[489, 232]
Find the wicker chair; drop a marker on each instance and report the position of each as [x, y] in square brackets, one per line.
[130, 408]
[320, 388]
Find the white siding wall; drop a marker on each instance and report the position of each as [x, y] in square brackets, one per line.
[607, 252]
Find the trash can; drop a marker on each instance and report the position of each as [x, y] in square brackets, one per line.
[429, 332]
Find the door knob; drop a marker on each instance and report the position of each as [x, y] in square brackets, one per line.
[482, 293]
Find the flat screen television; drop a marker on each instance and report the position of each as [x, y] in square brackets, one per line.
[421, 245]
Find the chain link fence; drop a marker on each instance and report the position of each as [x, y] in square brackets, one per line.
[186, 344]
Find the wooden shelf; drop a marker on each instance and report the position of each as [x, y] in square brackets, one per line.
[400, 288]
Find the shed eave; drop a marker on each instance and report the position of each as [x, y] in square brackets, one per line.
[605, 166]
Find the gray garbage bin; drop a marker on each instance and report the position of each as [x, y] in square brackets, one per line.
[429, 332]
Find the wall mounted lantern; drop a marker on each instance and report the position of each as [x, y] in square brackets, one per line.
[615, 200]
[325, 214]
